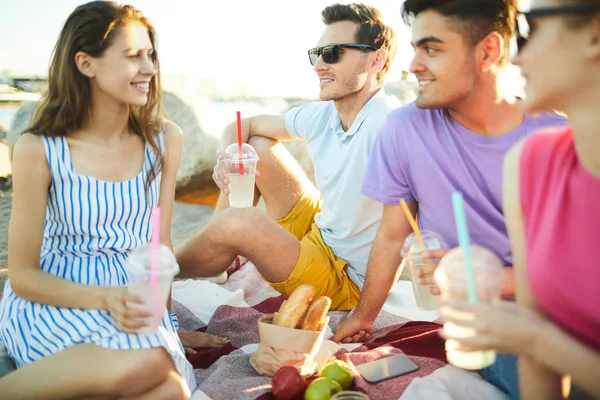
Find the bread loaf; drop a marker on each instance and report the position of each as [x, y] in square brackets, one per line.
[294, 308]
[316, 314]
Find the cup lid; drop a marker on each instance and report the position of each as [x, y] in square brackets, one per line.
[431, 240]
[140, 260]
[232, 153]
[487, 267]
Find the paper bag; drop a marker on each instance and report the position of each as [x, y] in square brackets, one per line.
[281, 346]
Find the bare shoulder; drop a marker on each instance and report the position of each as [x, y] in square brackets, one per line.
[173, 134]
[29, 160]
[173, 144]
[173, 138]
[29, 147]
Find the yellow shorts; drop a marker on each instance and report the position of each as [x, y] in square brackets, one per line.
[317, 265]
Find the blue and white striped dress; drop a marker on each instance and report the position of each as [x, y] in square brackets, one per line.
[90, 228]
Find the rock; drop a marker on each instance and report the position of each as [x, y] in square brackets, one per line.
[194, 178]
[3, 134]
[3, 278]
[21, 121]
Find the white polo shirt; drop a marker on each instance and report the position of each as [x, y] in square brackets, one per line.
[348, 220]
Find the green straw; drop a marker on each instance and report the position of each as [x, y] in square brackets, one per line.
[463, 240]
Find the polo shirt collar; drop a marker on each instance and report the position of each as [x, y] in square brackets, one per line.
[335, 125]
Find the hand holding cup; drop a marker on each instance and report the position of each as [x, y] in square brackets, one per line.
[127, 310]
[425, 273]
[220, 174]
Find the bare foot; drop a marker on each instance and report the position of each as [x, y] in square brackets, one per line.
[193, 340]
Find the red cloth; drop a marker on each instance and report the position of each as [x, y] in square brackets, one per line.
[227, 374]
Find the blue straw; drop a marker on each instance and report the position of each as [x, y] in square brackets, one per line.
[463, 240]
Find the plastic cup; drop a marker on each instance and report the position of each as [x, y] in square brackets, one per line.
[412, 253]
[451, 277]
[138, 268]
[241, 173]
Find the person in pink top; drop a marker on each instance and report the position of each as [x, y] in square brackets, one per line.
[552, 208]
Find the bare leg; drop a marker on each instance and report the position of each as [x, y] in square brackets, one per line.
[281, 182]
[89, 371]
[170, 388]
[248, 232]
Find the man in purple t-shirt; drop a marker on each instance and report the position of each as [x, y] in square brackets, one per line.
[454, 137]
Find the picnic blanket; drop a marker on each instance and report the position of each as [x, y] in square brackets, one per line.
[232, 311]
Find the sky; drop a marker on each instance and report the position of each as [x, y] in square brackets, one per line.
[259, 43]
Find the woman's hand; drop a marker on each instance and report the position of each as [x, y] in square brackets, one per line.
[502, 326]
[193, 340]
[129, 311]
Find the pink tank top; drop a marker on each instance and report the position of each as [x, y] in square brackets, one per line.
[561, 206]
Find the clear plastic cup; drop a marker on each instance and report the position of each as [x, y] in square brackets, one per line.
[412, 253]
[451, 277]
[241, 173]
[138, 267]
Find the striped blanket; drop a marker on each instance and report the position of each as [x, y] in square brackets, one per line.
[232, 310]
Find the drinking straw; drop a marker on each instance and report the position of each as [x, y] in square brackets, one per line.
[414, 226]
[154, 246]
[239, 132]
[463, 240]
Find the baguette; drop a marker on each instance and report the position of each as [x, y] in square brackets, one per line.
[276, 315]
[316, 314]
[294, 308]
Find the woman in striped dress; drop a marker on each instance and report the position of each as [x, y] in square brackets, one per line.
[87, 174]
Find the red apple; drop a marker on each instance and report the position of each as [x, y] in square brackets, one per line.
[288, 384]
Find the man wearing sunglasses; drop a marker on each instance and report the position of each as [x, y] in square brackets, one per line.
[454, 137]
[321, 237]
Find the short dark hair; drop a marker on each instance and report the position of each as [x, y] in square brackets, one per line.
[371, 29]
[478, 18]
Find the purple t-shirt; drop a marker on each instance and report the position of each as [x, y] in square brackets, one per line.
[425, 155]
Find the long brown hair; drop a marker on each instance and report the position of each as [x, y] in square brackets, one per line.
[65, 107]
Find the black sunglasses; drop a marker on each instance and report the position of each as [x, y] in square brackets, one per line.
[524, 18]
[331, 52]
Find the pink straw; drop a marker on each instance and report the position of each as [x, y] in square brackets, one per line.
[239, 132]
[154, 246]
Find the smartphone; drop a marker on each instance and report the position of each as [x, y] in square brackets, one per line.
[386, 368]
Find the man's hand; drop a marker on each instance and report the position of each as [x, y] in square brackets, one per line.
[220, 175]
[352, 330]
[193, 340]
[425, 273]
